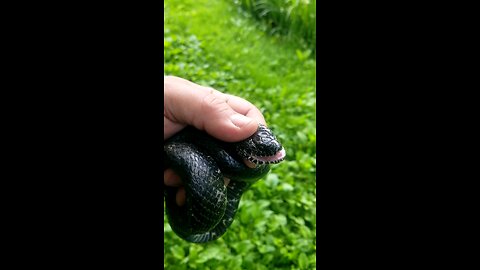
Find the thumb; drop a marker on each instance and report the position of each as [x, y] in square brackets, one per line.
[223, 122]
[225, 117]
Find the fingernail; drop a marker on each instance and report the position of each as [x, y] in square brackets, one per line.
[240, 120]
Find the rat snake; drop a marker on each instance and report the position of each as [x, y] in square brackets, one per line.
[215, 176]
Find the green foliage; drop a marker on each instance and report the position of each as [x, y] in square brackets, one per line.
[292, 18]
[211, 43]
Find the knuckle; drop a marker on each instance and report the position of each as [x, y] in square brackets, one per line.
[211, 102]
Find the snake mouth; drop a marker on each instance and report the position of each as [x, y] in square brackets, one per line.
[276, 158]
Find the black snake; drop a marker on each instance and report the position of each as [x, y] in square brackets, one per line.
[215, 176]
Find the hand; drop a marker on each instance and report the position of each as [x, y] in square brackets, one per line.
[226, 117]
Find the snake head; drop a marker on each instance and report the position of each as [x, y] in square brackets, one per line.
[262, 147]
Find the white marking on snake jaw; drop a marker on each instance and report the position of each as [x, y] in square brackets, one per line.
[279, 156]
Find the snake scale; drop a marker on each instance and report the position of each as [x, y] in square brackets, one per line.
[215, 176]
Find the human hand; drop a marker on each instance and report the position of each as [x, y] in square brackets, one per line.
[225, 117]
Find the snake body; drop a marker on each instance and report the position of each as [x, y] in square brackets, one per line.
[215, 177]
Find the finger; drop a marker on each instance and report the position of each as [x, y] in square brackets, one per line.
[170, 178]
[182, 99]
[181, 196]
[209, 110]
[170, 128]
[246, 108]
[220, 120]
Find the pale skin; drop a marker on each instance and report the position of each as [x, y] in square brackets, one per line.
[226, 117]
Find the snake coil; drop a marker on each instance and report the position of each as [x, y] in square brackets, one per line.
[215, 176]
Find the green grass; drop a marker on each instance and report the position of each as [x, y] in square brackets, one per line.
[213, 44]
[294, 19]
